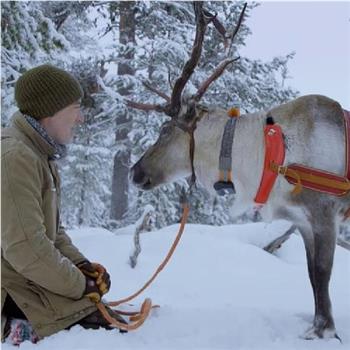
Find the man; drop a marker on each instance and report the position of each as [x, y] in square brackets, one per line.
[45, 279]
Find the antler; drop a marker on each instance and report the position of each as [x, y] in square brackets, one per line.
[216, 74]
[149, 106]
[240, 20]
[159, 93]
[145, 106]
[202, 20]
[173, 105]
[223, 64]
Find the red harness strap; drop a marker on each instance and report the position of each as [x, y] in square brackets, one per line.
[297, 174]
[274, 152]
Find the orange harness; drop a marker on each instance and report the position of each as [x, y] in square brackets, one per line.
[296, 174]
[274, 152]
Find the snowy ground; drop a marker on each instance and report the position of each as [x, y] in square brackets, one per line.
[220, 291]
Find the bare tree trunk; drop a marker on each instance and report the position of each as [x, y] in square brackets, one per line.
[277, 243]
[142, 225]
[82, 202]
[120, 181]
[343, 243]
[82, 199]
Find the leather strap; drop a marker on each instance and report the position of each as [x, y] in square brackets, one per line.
[138, 318]
[225, 160]
[314, 179]
[225, 184]
[192, 146]
[190, 128]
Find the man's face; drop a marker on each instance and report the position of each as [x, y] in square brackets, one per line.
[62, 124]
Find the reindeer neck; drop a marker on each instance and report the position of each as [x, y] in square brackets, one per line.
[248, 155]
[247, 151]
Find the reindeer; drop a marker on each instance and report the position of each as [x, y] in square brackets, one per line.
[313, 128]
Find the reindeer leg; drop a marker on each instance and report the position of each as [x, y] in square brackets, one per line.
[320, 263]
[309, 243]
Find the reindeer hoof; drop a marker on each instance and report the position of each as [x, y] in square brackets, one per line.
[320, 333]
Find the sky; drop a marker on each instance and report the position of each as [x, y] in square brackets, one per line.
[318, 33]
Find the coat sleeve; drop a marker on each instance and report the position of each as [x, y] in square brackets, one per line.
[65, 245]
[25, 244]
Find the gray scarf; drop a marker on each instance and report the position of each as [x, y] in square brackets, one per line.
[60, 150]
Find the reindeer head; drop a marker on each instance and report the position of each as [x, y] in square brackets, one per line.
[171, 157]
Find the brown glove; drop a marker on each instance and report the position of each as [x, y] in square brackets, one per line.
[92, 290]
[98, 273]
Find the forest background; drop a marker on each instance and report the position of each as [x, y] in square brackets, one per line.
[113, 48]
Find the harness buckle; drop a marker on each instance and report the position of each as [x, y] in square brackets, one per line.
[282, 170]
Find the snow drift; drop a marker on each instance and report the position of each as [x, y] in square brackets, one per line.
[219, 291]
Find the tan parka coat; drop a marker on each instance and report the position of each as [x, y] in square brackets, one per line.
[37, 256]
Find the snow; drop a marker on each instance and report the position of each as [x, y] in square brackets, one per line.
[219, 291]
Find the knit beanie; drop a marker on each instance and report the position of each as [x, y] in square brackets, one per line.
[44, 90]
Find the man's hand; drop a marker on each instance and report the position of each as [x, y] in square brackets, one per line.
[97, 273]
[91, 290]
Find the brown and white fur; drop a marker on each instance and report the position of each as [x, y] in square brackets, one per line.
[313, 127]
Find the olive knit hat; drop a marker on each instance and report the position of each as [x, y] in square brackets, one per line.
[44, 90]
